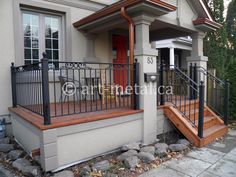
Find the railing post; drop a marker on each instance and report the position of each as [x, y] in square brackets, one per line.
[13, 85]
[195, 79]
[162, 96]
[201, 109]
[226, 102]
[45, 91]
[136, 85]
[191, 84]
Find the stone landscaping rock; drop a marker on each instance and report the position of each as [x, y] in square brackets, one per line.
[177, 147]
[25, 167]
[161, 150]
[131, 162]
[4, 140]
[85, 171]
[132, 146]
[6, 147]
[149, 149]
[127, 154]
[101, 166]
[65, 173]
[146, 157]
[110, 175]
[183, 141]
[15, 154]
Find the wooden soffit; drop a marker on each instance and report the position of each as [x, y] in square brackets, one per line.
[133, 7]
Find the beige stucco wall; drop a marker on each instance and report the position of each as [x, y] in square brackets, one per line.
[179, 16]
[6, 54]
[11, 42]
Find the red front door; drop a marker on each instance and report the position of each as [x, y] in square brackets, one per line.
[119, 44]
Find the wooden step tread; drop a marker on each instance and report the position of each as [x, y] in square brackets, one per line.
[210, 131]
[207, 119]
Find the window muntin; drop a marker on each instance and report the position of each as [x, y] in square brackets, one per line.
[52, 38]
[42, 33]
[31, 38]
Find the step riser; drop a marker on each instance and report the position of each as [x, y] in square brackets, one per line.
[210, 124]
[187, 107]
[217, 134]
[196, 115]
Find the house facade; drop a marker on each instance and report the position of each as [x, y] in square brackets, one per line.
[97, 45]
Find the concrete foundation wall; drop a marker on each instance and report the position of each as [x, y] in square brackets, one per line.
[95, 138]
[26, 134]
[163, 124]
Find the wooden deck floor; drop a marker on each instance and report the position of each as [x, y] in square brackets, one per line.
[94, 114]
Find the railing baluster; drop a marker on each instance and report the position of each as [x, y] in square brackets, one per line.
[162, 99]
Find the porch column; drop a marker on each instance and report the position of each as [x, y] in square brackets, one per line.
[197, 55]
[172, 57]
[146, 56]
[197, 51]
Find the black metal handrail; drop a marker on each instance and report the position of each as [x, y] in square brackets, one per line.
[217, 92]
[181, 99]
[58, 88]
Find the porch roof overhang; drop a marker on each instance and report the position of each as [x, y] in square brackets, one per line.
[133, 7]
[206, 24]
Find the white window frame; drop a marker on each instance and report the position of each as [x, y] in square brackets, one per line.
[61, 34]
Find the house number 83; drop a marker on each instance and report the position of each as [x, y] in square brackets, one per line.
[150, 60]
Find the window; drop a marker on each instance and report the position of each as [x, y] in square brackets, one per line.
[42, 33]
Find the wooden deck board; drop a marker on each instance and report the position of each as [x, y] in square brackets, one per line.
[73, 119]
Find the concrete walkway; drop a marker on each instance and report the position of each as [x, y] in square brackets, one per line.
[216, 160]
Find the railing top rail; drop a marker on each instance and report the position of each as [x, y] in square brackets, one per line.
[205, 72]
[185, 75]
[83, 63]
[28, 65]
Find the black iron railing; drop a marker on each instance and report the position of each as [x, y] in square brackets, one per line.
[182, 86]
[53, 89]
[217, 91]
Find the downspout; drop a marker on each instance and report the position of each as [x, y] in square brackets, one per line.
[131, 34]
[131, 47]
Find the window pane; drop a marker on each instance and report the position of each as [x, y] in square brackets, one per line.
[55, 44]
[35, 20]
[48, 44]
[55, 54]
[26, 19]
[55, 23]
[55, 34]
[35, 54]
[27, 62]
[27, 30]
[27, 42]
[35, 42]
[48, 32]
[35, 31]
[27, 54]
[49, 54]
